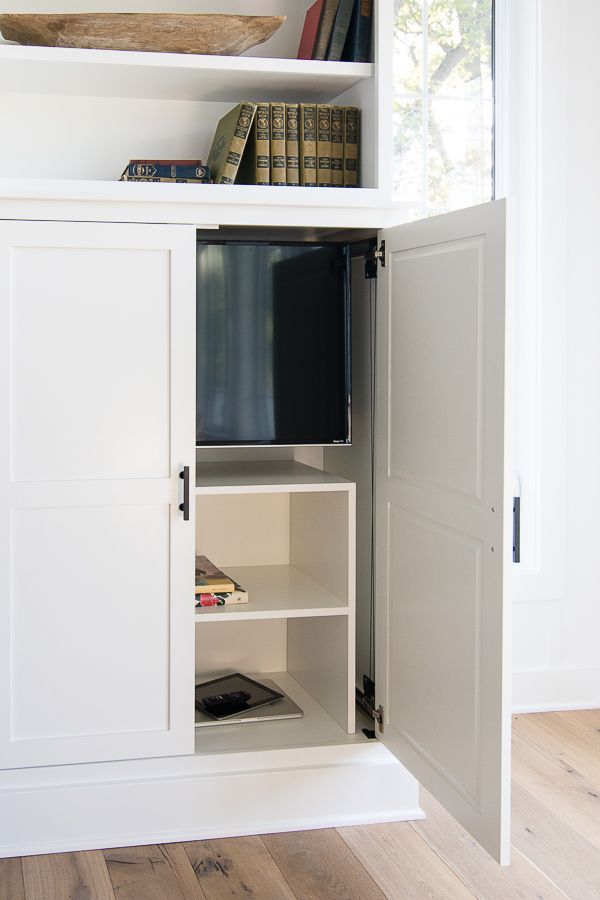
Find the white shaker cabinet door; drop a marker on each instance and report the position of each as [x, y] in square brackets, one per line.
[443, 515]
[97, 396]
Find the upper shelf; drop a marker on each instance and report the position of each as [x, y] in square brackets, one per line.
[262, 477]
[173, 76]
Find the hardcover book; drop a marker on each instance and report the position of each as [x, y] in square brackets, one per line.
[165, 180]
[337, 146]
[308, 144]
[229, 142]
[277, 135]
[210, 579]
[324, 145]
[351, 133]
[324, 29]
[255, 167]
[309, 32]
[292, 112]
[340, 29]
[358, 43]
[166, 170]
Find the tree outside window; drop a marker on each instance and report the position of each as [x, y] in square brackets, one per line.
[443, 103]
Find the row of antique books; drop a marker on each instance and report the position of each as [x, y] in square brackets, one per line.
[315, 145]
[214, 588]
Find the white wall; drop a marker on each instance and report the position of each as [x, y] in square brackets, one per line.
[554, 169]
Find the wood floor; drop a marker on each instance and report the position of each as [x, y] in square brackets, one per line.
[556, 846]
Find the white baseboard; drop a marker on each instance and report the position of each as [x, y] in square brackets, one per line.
[546, 690]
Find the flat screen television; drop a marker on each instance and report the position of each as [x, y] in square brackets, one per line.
[273, 343]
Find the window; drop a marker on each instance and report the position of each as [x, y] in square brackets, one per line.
[443, 103]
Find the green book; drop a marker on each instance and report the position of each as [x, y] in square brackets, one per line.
[255, 167]
[230, 141]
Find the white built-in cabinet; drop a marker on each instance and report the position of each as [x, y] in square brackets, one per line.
[101, 645]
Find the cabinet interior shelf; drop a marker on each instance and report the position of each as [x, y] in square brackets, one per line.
[275, 592]
[173, 76]
[273, 476]
[315, 728]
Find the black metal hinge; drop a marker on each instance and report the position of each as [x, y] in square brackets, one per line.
[372, 258]
[516, 529]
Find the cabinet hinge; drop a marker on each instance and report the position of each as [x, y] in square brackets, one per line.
[516, 529]
[372, 258]
[379, 716]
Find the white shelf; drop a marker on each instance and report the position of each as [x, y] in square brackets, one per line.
[207, 205]
[275, 592]
[173, 76]
[273, 476]
[315, 728]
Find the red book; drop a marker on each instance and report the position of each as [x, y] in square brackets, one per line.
[309, 32]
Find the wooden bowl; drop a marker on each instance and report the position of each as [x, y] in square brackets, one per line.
[212, 33]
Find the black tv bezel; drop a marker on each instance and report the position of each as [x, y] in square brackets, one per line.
[347, 247]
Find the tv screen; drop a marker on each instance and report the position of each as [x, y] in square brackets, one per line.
[273, 337]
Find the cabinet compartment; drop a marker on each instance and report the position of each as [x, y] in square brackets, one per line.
[291, 546]
[311, 659]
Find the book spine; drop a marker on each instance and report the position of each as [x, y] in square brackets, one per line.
[277, 135]
[358, 43]
[165, 180]
[309, 32]
[292, 112]
[351, 137]
[324, 145]
[325, 28]
[337, 146]
[340, 30]
[308, 144]
[262, 144]
[238, 142]
[157, 170]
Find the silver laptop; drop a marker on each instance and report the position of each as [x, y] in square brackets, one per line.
[284, 708]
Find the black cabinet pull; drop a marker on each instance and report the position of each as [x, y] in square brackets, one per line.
[185, 506]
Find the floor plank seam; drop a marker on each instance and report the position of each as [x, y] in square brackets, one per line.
[294, 894]
[363, 867]
[541, 872]
[447, 863]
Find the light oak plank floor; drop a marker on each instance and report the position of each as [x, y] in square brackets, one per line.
[555, 854]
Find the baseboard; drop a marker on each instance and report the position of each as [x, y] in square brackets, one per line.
[125, 813]
[547, 690]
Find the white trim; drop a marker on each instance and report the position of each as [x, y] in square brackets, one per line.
[546, 690]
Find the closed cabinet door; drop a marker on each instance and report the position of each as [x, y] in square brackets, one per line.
[443, 514]
[97, 324]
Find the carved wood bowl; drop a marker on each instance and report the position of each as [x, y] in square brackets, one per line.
[210, 33]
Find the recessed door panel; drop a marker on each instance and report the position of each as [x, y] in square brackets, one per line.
[442, 673]
[97, 376]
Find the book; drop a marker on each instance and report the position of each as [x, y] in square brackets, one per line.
[229, 142]
[351, 136]
[308, 144]
[255, 167]
[166, 162]
[210, 579]
[358, 42]
[324, 29]
[222, 598]
[277, 137]
[166, 170]
[292, 112]
[337, 146]
[309, 32]
[340, 29]
[165, 180]
[324, 145]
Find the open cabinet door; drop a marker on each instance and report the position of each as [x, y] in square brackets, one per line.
[442, 546]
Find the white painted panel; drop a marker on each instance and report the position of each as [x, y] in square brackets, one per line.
[223, 647]
[438, 571]
[97, 420]
[89, 641]
[244, 529]
[322, 539]
[443, 544]
[435, 332]
[96, 402]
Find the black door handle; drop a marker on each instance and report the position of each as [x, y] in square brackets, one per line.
[185, 506]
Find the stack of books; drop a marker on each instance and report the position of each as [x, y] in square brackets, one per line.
[184, 171]
[214, 588]
[337, 30]
[314, 145]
